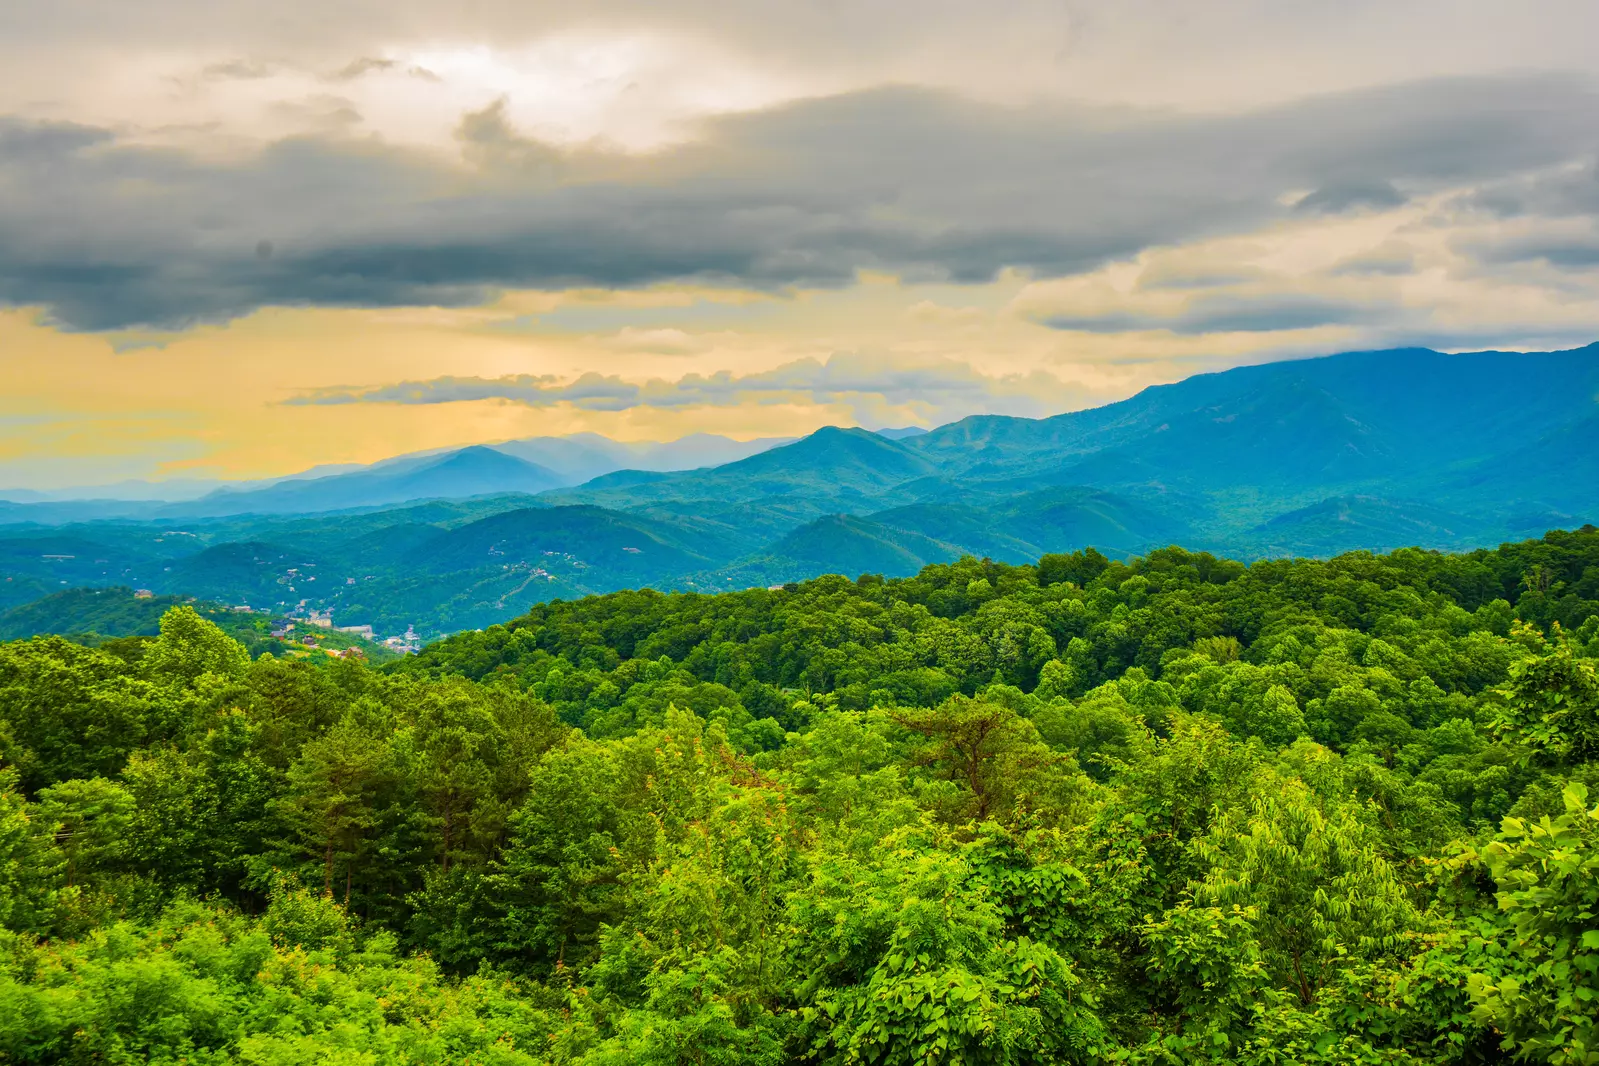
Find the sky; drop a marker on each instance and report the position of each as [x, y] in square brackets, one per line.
[237, 241]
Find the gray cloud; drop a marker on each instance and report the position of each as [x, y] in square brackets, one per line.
[1332, 199]
[1574, 251]
[1559, 192]
[108, 235]
[859, 382]
[1232, 312]
[239, 70]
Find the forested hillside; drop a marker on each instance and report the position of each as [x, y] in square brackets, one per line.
[1171, 810]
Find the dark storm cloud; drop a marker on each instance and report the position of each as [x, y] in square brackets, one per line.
[107, 235]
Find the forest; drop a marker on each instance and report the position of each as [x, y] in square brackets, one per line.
[1171, 809]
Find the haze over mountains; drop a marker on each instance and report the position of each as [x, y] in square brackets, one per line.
[1362, 450]
[530, 465]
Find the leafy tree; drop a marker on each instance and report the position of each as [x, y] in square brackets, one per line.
[29, 864]
[91, 820]
[841, 821]
[1079, 567]
[1543, 1000]
[906, 961]
[71, 711]
[191, 647]
[1551, 707]
[1313, 876]
[990, 752]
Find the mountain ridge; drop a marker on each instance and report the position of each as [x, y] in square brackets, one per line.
[1314, 456]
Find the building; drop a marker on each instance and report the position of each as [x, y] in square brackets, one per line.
[363, 631]
[143, 594]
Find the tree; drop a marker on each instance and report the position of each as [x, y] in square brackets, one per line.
[1314, 877]
[459, 744]
[846, 773]
[91, 820]
[190, 647]
[906, 961]
[994, 755]
[1551, 705]
[335, 792]
[1079, 567]
[70, 711]
[1544, 1001]
[29, 863]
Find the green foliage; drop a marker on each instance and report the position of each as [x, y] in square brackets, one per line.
[1168, 810]
[207, 985]
[1551, 703]
[1544, 1000]
[29, 866]
[191, 647]
[1311, 875]
[909, 962]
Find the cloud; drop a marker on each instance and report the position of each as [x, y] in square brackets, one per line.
[1223, 54]
[109, 235]
[239, 70]
[665, 341]
[1436, 271]
[1230, 313]
[1348, 195]
[1563, 244]
[364, 65]
[943, 388]
[1577, 252]
[1392, 257]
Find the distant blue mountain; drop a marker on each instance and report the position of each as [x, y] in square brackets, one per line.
[469, 472]
[567, 460]
[1380, 448]
[1297, 425]
[1313, 457]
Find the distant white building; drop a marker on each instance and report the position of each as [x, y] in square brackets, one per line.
[364, 631]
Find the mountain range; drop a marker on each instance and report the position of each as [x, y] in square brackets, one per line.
[1310, 457]
[529, 465]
